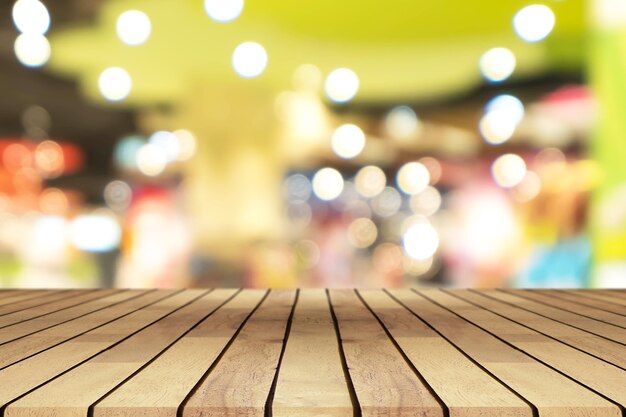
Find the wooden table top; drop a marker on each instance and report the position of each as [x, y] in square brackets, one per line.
[228, 352]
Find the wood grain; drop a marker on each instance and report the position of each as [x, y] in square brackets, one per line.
[312, 353]
[383, 381]
[25, 375]
[608, 350]
[53, 303]
[19, 330]
[103, 372]
[311, 381]
[38, 301]
[588, 301]
[30, 343]
[594, 373]
[18, 296]
[595, 327]
[162, 386]
[466, 389]
[616, 293]
[241, 381]
[597, 295]
[552, 394]
[579, 309]
[8, 292]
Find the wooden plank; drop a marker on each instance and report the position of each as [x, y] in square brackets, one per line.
[19, 378]
[551, 393]
[241, 381]
[19, 330]
[594, 373]
[466, 389]
[24, 295]
[15, 291]
[118, 304]
[160, 388]
[590, 312]
[585, 301]
[614, 293]
[605, 330]
[607, 350]
[36, 302]
[69, 299]
[313, 353]
[383, 381]
[311, 381]
[102, 373]
[5, 292]
[598, 296]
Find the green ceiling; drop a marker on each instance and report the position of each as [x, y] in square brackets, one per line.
[401, 50]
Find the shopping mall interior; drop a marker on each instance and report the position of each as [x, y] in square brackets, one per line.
[265, 143]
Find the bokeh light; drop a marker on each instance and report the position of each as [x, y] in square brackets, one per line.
[249, 59]
[529, 188]
[434, 168]
[187, 144]
[299, 215]
[125, 153]
[427, 202]
[133, 27]
[49, 236]
[387, 257]
[413, 178]
[362, 233]
[348, 141]
[36, 121]
[307, 77]
[16, 156]
[411, 220]
[341, 85]
[370, 181]
[151, 159]
[508, 170]
[31, 17]
[223, 10]
[118, 194]
[115, 84]
[497, 126]
[497, 64]
[507, 104]
[49, 158]
[32, 50]
[327, 184]
[417, 267]
[387, 203]
[421, 241]
[297, 188]
[534, 23]
[402, 123]
[95, 232]
[53, 201]
[168, 142]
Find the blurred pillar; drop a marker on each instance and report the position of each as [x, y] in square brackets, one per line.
[607, 68]
[232, 187]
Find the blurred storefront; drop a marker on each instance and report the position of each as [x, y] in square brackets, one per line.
[275, 144]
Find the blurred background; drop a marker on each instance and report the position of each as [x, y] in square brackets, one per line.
[265, 143]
